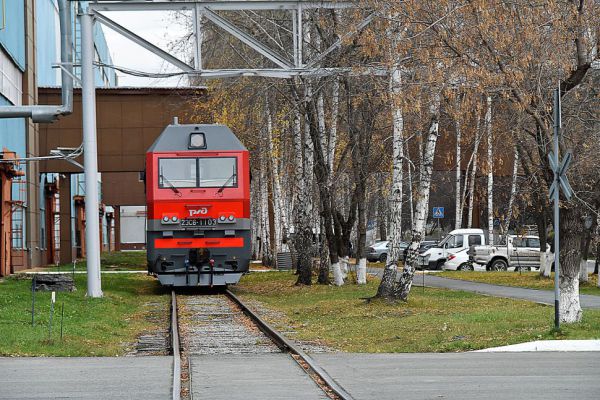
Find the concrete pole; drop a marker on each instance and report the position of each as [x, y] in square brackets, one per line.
[557, 122]
[90, 158]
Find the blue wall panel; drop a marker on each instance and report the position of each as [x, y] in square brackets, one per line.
[12, 36]
[48, 45]
[12, 132]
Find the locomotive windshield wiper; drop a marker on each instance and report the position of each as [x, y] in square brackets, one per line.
[226, 183]
[171, 186]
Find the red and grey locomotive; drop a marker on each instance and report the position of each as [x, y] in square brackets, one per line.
[198, 206]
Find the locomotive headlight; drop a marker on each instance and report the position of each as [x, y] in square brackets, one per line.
[197, 141]
[174, 219]
[222, 218]
[165, 219]
[231, 218]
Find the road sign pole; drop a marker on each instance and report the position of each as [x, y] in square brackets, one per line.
[556, 199]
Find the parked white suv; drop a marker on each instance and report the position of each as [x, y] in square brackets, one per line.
[456, 241]
[520, 252]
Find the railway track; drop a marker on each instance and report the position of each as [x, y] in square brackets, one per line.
[222, 324]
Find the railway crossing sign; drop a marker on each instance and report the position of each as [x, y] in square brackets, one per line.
[560, 174]
[438, 212]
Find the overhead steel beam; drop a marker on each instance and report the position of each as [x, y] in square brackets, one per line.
[198, 36]
[289, 73]
[182, 5]
[142, 42]
[245, 38]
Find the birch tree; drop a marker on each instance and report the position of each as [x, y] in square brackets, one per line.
[421, 208]
[388, 282]
[490, 170]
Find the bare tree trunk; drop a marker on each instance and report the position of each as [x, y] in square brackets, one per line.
[411, 204]
[490, 170]
[335, 102]
[302, 230]
[585, 247]
[457, 186]
[406, 278]
[264, 210]
[571, 229]
[513, 191]
[278, 209]
[473, 175]
[388, 281]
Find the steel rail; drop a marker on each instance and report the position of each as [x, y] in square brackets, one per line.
[176, 349]
[288, 346]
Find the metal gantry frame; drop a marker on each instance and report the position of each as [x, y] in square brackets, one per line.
[206, 11]
[202, 11]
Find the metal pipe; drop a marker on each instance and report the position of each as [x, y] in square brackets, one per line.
[50, 113]
[66, 57]
[90, 157]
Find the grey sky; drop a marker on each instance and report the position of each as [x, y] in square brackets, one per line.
[157, 27]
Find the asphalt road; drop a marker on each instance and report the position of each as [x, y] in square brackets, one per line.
[538, 296]
[466, 376]
[90, 378]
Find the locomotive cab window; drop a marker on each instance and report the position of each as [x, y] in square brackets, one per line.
[218, 172]
[203, 172]
[177, 172]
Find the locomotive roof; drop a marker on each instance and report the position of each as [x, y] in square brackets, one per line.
[177, 137]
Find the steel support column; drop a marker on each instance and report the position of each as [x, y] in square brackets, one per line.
[90, 156]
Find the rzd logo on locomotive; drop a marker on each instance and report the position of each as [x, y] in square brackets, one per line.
[198, 212]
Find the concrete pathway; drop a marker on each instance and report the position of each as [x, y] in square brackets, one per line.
[466, 376]
[251, 377]
[548, 345]
[538, 296]
[89, 378]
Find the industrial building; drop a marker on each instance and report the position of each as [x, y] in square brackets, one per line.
[29, 54]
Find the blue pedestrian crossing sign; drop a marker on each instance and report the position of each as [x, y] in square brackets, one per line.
[438, 212]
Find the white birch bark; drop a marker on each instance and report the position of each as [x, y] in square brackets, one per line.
[513, 191]
[338, 279]
[473, 174]
[264, 209]
[388, 281]
[277, 202]
[422, 206]
[570, 307]
[361, 273]
[331, 144]
[344, 266]
[490, 170]
[457, 185]
[395, 202]
[546, 263]
[411, 205]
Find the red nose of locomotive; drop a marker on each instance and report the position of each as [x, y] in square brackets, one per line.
[198, 199]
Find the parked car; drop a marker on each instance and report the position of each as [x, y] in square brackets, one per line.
[459, 261]
[380, 250]
[457, 240]
[426, 245]
[520, 252]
